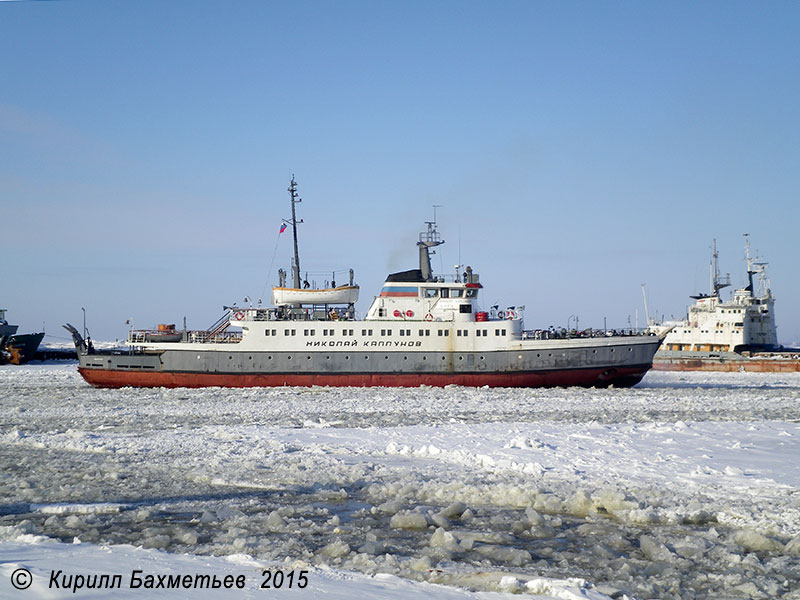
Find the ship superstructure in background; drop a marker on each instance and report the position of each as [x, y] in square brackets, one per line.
[16, 348]
[735, 335]
[422, 329]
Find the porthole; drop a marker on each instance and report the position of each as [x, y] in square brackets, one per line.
[444, 358]
[289, 357]
[594, 351]
[327, 358]
[630, 349]
[482, 358]
[366, 358]
[460, 358]
[385, 358]
[405, 358]
[308, 357]
[424, 358]
[347, 358]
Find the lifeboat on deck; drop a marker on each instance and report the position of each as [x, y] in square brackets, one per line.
[343, 294]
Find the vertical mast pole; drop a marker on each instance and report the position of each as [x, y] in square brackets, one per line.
[714, 255]
[296, 265]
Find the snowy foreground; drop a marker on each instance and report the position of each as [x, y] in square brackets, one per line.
[687, 486]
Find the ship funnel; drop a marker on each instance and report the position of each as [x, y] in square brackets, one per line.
[427, 240]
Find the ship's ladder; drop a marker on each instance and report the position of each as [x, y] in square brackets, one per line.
[221, 325]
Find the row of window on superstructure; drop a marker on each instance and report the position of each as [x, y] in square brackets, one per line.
[450, 293]
[386, 332]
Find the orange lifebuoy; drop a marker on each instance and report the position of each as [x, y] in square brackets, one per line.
[429, 317]
[239, 316]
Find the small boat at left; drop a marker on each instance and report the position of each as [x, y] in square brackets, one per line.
[16, 348]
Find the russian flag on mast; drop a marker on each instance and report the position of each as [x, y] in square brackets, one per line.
[283, 228]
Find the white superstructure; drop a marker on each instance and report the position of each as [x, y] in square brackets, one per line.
[745, 322]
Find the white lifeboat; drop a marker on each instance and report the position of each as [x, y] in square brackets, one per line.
[343, 294]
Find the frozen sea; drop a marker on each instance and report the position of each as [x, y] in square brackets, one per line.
[686, 486]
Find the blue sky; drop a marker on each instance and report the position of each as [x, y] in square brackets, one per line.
[577, 150]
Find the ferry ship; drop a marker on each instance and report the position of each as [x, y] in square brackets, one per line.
[421, 329]
[739, 334]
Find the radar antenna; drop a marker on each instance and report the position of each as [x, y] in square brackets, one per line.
[427, 240]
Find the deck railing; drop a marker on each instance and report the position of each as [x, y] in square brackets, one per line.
[564, 334]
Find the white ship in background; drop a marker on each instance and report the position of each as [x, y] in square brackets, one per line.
[735, 335]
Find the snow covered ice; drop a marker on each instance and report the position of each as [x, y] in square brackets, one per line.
[687, 486]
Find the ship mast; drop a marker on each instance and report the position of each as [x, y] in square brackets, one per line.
[428, 239]
[750, 270]
[296, 264]
[717, 281]
[755, 266]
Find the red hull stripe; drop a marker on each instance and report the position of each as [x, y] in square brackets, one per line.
[581, 377]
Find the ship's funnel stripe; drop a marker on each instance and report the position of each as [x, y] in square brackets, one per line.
[400, 292]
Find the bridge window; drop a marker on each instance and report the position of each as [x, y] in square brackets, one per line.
[431, 292]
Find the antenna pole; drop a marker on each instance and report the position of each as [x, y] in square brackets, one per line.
[644, 295]
[295, 199]
[750, 271]
[714, 269]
